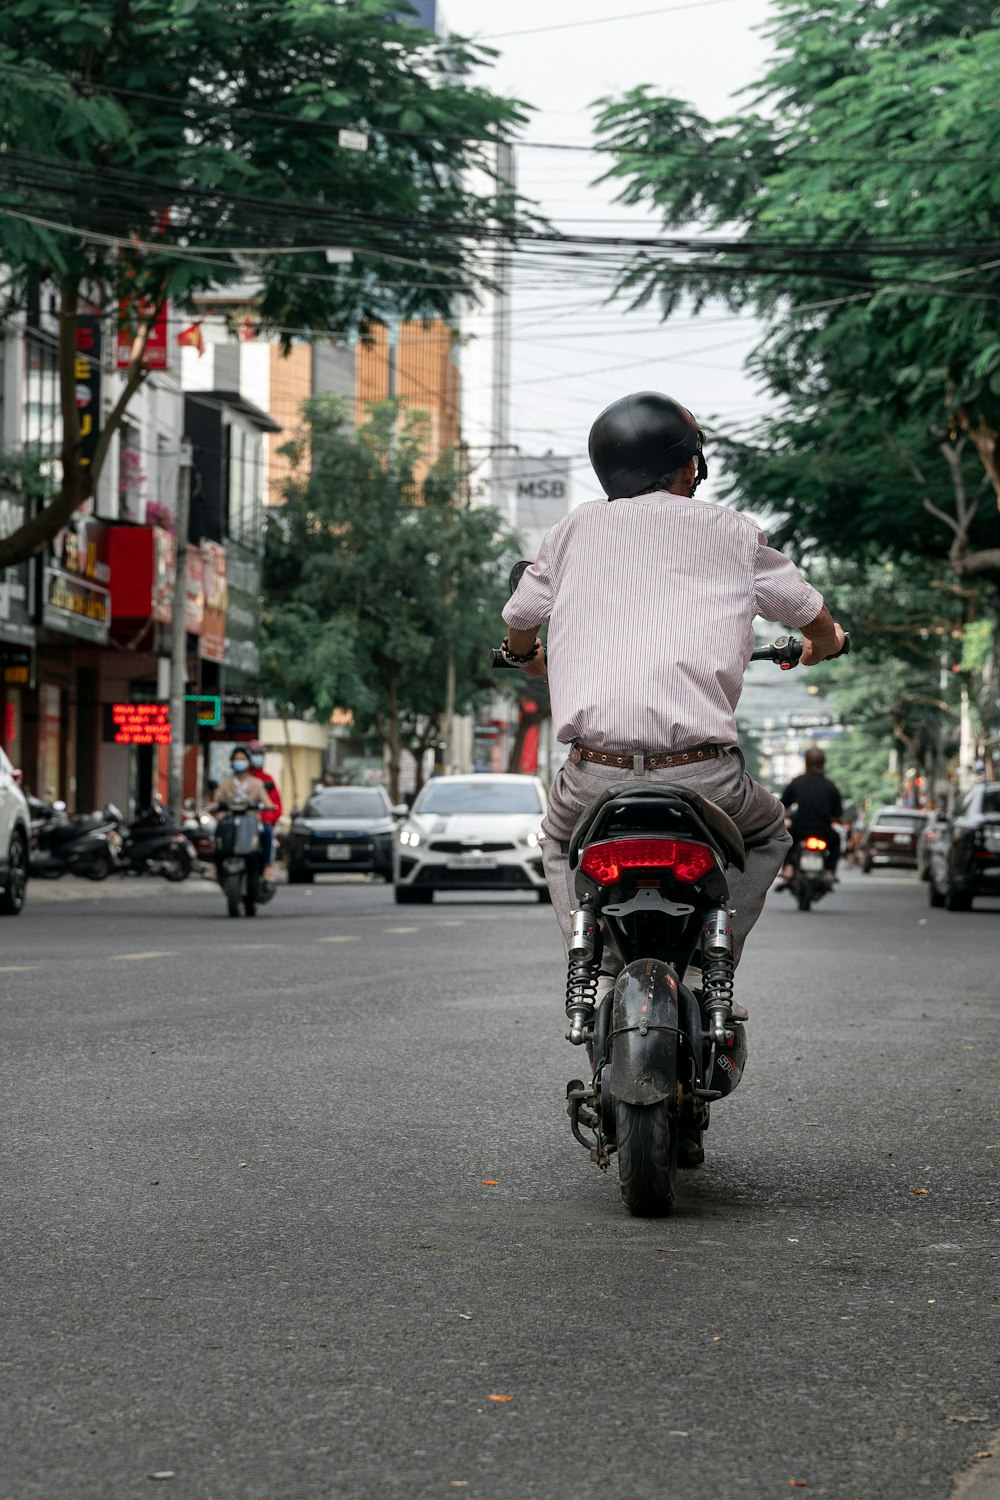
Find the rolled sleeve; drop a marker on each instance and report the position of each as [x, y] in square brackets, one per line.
[780, 591]
[532, 600]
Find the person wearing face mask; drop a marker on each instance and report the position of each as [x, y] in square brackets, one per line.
[242, 784]
[271, 816]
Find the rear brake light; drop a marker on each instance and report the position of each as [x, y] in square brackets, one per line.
[815, 843]
[606, 862]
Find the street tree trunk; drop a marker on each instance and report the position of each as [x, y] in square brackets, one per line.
[393, 739]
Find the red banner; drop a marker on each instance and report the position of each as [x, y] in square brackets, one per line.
[212, 646]
[130, 313]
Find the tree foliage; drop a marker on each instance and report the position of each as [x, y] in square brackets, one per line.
[378, 586]
[855, 207]
[153, 149]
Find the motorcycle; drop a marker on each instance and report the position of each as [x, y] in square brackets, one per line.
[240, 858]
[61, 845]
[811, 880]
[199, 830]
[154, 846]
[649, 865]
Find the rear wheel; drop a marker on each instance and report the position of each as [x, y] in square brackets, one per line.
[100, 866]
[647, 1157]
[177, 863]
[866, 867]
[957, 900]
[231, 886]
[299, 875]
[803, 896]
[934, 896]
[409, 895]
[13, 893]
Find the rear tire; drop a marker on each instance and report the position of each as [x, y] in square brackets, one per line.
[408, 895]
[866, 867]
[101, 867]
[177, 864]
[957, 900]
[13, 893]
[647, 1157]
[934, 896]
[297, 875]
[804, 897]
[231, 886]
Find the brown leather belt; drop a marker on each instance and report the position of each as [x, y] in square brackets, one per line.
[642, 760]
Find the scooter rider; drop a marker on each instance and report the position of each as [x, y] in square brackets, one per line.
[816, 803]
[650, 602]
[241, 785]
[271, 816]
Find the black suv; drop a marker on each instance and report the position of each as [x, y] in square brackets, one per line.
[965, 855]
[342, 830]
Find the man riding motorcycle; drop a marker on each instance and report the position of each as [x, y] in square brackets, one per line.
[815, 804]
[650, 598]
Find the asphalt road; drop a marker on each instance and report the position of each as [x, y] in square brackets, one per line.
[292, 1211]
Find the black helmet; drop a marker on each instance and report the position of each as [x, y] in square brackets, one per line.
[638, 440]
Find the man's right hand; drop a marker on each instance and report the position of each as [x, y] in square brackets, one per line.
[823, 639]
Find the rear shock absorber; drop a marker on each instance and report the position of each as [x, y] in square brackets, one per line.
[581, 977]
[718, 971]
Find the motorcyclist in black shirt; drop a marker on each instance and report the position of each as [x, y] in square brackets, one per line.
[814, 803]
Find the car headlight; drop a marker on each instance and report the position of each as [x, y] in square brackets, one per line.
[533, 840]
[409, 837]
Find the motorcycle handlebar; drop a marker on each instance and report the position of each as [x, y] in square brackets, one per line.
[785, 653]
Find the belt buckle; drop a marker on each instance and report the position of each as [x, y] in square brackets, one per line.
[638, 763]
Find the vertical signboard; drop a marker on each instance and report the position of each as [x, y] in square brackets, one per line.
[212, 646]
[76, 597]
[130, 313]
[87, 373]
[242, 617]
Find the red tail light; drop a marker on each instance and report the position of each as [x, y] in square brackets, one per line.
[606, 862]
[815, 843]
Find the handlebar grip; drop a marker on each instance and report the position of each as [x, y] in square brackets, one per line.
[845, 649]
[498, 661]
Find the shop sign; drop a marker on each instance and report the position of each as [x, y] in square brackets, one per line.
[17, 666]
[212, 645]
[76, 594]
[137, 723]
[87, 375]
[15, 605]
[239, 721]
[130, 311]
[242, 617]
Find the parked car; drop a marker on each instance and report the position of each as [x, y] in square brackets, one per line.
[931, 830]
[965, 857]
[15, 841]
[342, 829]
[892, 838]
[474, 833]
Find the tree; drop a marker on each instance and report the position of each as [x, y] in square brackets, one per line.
[381, 593]
[149, 150]
[853, 207]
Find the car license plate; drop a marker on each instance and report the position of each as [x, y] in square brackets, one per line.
[338, 851]
[902, 838]
[811, 863]
[472, 862]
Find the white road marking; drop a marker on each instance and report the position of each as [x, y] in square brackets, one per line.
[18, 968]
[137, 957]
[400, 929]
[350, 938]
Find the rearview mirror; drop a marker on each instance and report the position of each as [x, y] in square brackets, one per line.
[400, 810]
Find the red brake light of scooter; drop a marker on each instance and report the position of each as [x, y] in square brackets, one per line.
[605, 863]
[815, 843]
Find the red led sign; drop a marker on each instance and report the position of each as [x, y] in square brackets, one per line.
[137, 723]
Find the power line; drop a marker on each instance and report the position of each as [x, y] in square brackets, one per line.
[634, 15]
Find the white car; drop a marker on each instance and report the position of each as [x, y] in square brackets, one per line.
[15, 841]
[472, 833]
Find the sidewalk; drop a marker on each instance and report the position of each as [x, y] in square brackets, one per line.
[981, 1481]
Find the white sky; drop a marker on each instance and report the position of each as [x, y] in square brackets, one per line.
[702, 53]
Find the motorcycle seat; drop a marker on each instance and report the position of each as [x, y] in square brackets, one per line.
[700, 816]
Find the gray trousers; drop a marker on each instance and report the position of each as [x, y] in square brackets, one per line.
[758, 815]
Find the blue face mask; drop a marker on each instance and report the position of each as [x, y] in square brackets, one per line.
[257, 761]
[240, 767]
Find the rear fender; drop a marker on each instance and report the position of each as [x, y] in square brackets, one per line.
[645, 1033]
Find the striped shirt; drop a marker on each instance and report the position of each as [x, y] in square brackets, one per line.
[651, 604]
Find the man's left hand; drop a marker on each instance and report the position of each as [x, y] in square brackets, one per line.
[536, 667]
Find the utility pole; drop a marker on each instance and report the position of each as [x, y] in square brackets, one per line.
[178, 635]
